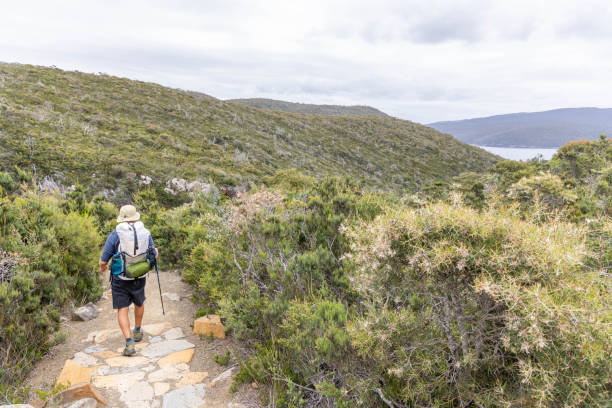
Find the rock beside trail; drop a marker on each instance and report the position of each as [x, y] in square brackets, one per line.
[207, 325]
[221, 377]
[87, 312]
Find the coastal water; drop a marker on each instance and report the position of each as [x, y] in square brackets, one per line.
[519, 153]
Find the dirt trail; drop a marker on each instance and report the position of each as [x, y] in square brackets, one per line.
[150, 380]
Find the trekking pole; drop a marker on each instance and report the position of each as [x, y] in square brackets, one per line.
[160, 292]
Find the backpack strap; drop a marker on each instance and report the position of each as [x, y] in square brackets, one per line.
[135, 238]
[123, 263]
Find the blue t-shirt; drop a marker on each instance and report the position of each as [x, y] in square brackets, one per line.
[112, 246]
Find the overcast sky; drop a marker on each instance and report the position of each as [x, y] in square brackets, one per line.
[425, 60]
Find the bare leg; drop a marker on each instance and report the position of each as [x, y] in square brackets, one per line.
[138, 313]
[124, 321]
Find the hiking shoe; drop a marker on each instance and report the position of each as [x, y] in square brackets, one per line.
[137, 335]
[129, 350]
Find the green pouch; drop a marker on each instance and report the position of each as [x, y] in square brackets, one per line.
[137, 269]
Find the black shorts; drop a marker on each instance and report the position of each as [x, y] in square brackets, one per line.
[126, 292]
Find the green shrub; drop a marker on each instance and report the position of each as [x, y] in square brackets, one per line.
[223, 359]
[105, 215]
[7, 184]
[177, 230]
[57, 255]
[207, 269]
[480, 309]
[545, 190]
[291, 180]
[278, 279]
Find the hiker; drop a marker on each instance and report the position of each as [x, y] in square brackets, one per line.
[131, 248]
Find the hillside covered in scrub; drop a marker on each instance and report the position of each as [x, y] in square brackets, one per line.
[105, 132]
[272, 104]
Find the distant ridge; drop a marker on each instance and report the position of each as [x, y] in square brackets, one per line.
[293, 107]
[548, 129]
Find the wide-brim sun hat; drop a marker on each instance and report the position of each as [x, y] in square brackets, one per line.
[128, 213]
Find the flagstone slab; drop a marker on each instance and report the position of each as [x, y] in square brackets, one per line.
[178, 357]
[157, 328]
[124, 361]
[104, 370]
[141, 391]
[161, 388]
[73, 373]
[163, 348]
[173, 334]
[155, 339]
[104, 354]
[94, 349]
[192, 377]
[113, 381]
[173, 372]
[186, 397]
[138, 404]
[84, 359]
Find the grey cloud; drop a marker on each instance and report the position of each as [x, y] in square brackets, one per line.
[469, 21]
[447, 26]
[587, 23]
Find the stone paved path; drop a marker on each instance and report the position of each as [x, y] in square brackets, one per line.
[172, 368]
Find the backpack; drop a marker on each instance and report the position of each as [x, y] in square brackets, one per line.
[132, 259]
